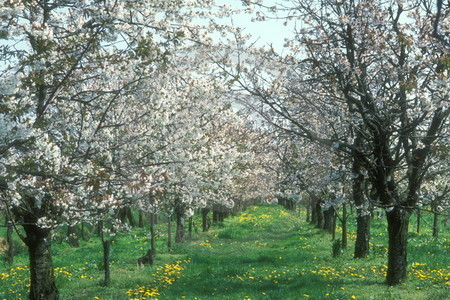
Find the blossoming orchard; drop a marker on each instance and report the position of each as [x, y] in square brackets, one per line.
[128, 125]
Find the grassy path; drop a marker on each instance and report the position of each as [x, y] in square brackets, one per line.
[269, 253]
[265, 252]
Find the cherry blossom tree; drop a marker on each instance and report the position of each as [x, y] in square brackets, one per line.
[69, 76]
[436, 188]
[370, 80]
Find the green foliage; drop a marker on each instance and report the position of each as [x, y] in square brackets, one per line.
[265, 252]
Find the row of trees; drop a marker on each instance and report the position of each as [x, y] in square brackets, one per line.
[106, 105]
[363, 92]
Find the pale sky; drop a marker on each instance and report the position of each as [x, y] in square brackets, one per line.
[268, 32]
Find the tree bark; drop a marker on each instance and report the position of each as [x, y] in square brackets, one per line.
[152, 233]
[319, 223]
[130, 217]
[216, 216]
[83, 235]
[180, 235]
[344, 226]
[141, 219]
[398, 221]
[72, 235]
[363, 217]
[362, 236]
[125, 214]
[328, 219]
[206, 222]
[418, 220]
[308, 215]
[333, 232]
[106, 261]
[435, 222]
[169, 232]
[191, 224]
[43, 286]
[9, 240]
[314, 213]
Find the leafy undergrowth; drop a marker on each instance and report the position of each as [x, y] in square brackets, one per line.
[265, 252]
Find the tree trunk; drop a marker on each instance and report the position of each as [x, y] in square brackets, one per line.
[130, 217]
[418, 220]
[152, 233]
[333, 232]
[141, 219]
[308, 215]
[344, 226]
[169, 232]
[72, 235]
[362, 235]
[328, 218]
[363, 215]
[319, 211]
[83, 234]
[9, 240]
[314, 213]
[215, 216]
[221, 216]
[398, 221]
[106, 261]
[206, 222]
[435, 222]
[191, 224]
[43, 286]
[180, 231]
[122, 215]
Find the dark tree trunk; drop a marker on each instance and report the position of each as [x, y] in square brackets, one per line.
[169, 232]
[83, 233]
[418, 220]
[435, 222]
[314, 214]
[130, 217]
[206, 222]
[125, 214]
[308, 213]
[106, 255]
[180, 231]
[362, 236]
[215, 216]
[333, 232]
[98, 230]
[106, 261]
[9, 240]
[282, 201]
[122, 215]
[363, 216]
[152, 233]
[43, 286]
[191, 223]
[328, 219]
[344, 226]
[222, 216]
[72, 235]
[398, 221]
[141, 219]
[320, 217]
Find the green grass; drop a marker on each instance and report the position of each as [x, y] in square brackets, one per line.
[265, 252]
